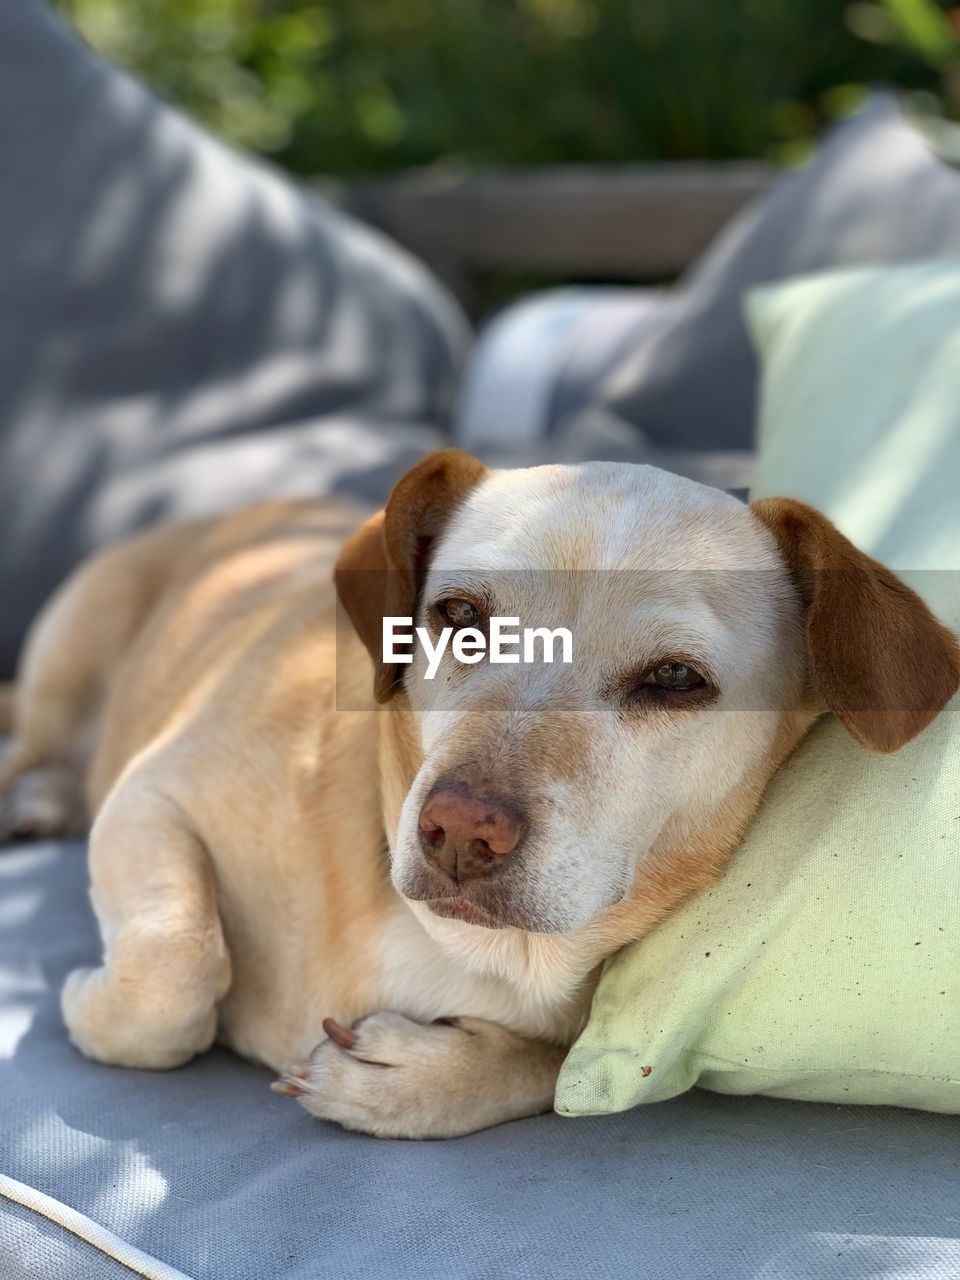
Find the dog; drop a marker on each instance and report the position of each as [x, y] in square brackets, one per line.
[397, 892]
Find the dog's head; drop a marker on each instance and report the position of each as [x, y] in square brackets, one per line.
[706, 637]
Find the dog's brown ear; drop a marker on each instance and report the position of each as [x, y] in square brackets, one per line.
[881, 661]
[381, 568]
[362, 577]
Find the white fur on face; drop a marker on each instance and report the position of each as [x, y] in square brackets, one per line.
[643, 567]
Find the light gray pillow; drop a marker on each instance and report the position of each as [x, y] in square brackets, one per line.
[528, 392]
[181, 329]
[875, 193]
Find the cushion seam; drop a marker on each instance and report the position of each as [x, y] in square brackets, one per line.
[86, 1229]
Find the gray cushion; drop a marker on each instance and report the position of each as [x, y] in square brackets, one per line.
[208, 1171]
[161, 293]
[538, 362]
[528, 392]
[875, 193]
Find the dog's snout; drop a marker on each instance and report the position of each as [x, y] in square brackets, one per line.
[468, 835]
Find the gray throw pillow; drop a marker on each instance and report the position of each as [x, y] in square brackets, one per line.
[875, 193]
[181, 329]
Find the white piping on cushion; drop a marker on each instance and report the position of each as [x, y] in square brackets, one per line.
[128, 1255]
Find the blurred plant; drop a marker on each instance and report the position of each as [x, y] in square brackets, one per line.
[350, 86]
[924, 28]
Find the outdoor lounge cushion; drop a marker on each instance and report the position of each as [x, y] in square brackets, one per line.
[183, 330]
[825, 964]
[208, 1171]
[531, 381]
[875, 193]
[536, 362]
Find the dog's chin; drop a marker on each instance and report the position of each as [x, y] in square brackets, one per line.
[465, 911]
[480, 905]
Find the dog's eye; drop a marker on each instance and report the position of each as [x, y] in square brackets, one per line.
[671, 682]
[677, 677]
[460, 613]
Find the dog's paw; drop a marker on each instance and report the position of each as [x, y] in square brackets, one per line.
[129, 1026]
[40, 804]
[392, 1077]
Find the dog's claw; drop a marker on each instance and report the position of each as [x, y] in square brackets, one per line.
[342, 1036]
[292, 1084]
[288, 1088]
[293, 1081]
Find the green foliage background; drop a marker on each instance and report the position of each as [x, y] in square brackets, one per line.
[358, 86]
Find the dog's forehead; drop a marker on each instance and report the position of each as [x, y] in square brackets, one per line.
[600, 516]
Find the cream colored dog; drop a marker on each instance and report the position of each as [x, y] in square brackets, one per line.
[409, 902]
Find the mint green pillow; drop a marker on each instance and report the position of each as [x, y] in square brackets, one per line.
[825, 963]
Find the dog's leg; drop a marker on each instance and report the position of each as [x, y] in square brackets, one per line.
[6, 708]
[152, 1003]
[47, 712]
[75, 644]
[42, 803]
[35, 800]
[395, 1078]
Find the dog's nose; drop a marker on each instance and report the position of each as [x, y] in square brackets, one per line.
[468, 835]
